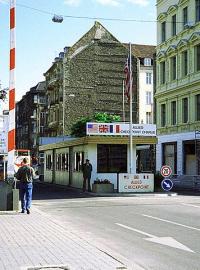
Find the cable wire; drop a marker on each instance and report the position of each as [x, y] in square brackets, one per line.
[88, 17]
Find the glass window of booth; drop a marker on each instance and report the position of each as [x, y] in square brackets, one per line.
[111, 158]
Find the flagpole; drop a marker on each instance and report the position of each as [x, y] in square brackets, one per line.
[123, 106]
[131, 111]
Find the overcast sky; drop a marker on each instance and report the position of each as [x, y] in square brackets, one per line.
[39, 40]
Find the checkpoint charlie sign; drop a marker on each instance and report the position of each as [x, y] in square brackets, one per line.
[121, 129]
[142, 182]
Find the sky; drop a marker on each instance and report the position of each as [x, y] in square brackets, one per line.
[39, 40]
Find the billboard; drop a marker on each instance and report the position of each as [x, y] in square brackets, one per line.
[121, 129]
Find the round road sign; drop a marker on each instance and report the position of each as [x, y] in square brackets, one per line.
[167, 184]
[166, 171]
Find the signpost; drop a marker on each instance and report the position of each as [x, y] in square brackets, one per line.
[166, 171]
[167, 183]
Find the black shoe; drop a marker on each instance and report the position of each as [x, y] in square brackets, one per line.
[23, 211]
[28, 211]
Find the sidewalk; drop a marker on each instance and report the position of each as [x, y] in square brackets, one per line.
[35, 241]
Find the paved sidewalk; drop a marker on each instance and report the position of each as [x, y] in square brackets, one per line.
[35, 240]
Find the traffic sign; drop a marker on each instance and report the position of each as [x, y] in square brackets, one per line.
[166, 171]
[167, 184]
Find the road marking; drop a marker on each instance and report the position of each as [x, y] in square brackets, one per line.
[135, 230]
[172, 222]
[188, 204]
[167, 241]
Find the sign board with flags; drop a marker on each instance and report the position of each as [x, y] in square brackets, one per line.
[121, 129]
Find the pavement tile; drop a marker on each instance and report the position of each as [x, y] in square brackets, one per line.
[30, 241]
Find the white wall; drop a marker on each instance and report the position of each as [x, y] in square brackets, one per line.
[143, 88]
[179, 138]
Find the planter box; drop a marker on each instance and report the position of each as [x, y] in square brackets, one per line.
[103, 188]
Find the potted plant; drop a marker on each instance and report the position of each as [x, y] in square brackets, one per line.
[102, 186]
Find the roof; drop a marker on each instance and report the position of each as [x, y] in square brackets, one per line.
[98, 140]
[142, 51]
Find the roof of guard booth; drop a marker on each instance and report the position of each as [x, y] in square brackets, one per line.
[98, 140]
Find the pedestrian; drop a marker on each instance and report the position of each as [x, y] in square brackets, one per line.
[25, 175]
[87, 170]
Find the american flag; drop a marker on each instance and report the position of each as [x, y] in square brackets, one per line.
[127, 78]
[92, 128]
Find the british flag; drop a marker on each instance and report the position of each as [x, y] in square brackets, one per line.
[106, 128]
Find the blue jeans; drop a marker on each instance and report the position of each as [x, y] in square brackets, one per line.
[26, 195]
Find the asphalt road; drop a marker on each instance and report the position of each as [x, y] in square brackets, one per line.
[159, 233]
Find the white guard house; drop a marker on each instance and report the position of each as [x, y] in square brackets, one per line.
[107, 147]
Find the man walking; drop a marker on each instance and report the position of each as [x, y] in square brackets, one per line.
[25, 175]
[87, 170]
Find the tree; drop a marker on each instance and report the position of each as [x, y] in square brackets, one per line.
[106, 118]
[78, 129]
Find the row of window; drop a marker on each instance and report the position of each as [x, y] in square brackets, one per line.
[185, 111]
[110, 158]
[184, 65]
[185, 21]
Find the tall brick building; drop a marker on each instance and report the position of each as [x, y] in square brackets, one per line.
[93, 76]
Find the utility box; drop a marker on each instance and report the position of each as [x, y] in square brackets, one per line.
[9, 197]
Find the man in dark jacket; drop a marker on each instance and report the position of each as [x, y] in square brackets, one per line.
[87, 170]
[25, 175]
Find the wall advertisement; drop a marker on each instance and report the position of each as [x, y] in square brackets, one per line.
[142, 182]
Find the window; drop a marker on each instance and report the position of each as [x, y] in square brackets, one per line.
[197, 48]
[198, 107]
[185, 63]
[148, 78]
[162, 72]
[58, 162]
[147, 61]
[185, 110]
[163, 31]
[111, 158]
[197, 10]
[148, 98]
[185, 16]
[173, 110]
[65, 162]
[149, 118]
[174, 25]
[173, 68]
[78, 162]
[48, 162]
[163, 115]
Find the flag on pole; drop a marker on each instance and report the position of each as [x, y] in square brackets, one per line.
[127, 78]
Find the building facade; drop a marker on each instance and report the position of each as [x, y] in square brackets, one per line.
[145, 77]
[54, 92]
[93, 77]
[178, 85]
[31, 119]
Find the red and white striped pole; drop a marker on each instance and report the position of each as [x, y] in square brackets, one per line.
[11, 132]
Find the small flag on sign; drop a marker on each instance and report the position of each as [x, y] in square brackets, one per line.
[92, 128]
[106, 128]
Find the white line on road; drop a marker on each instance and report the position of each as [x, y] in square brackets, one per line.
[135, 230]
[172, 222]
[192, 205]
[166, 241]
